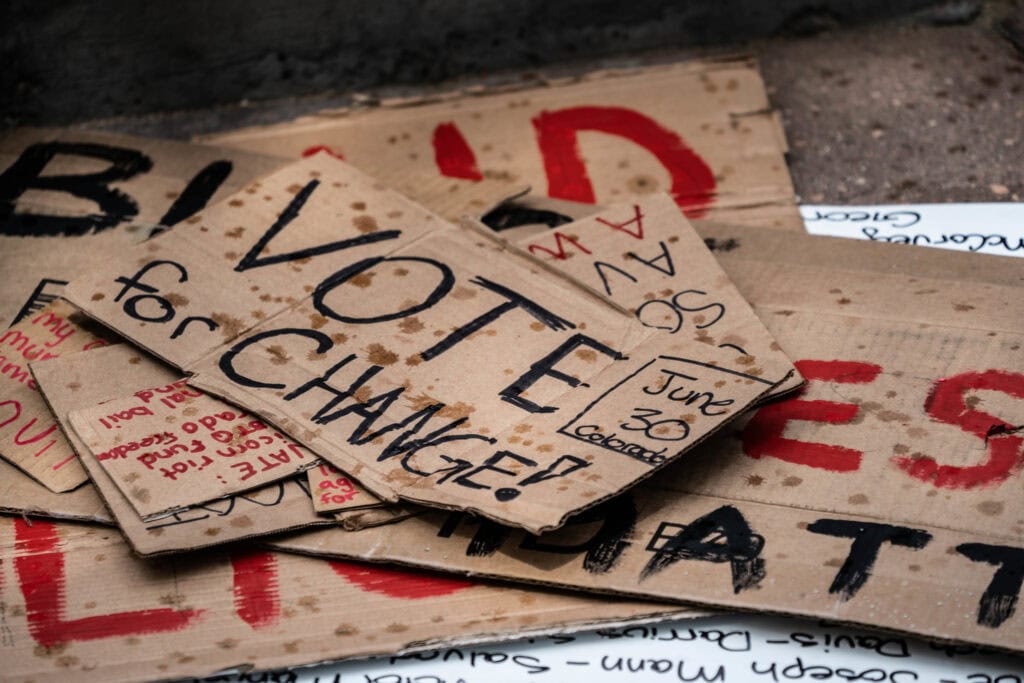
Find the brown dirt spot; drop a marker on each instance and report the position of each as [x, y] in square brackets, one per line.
[358, 206]
[98, 296]
[339, 338]
[176, 299]
[243, 522]
[234, 233]
[140, 494]
[755, 480]
[396, 628]
[227, 643]
[278, 356]
[378, 355]
[414, 360]
[229, 326]
[410, 325]
[587, 354]
[792, 481]
[345, 630]
[362, 280]
[857, 499]
[992, 508]
[963, 307]
[365, 224]
[463, 293]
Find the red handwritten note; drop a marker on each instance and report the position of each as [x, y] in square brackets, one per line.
[173, 446]
[334, 491]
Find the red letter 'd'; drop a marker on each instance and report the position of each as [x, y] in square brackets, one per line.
[693, 183]
[39, 564]
[946, 403]
[763, 434]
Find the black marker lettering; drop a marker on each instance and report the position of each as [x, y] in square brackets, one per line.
[491, 465]
[508, 216]
[722, 535]
[546, 367]
[27, 174]
[513, 300]
[604, 548]
[999, 601]
[252, 258]
[196, 194]
[868, 538]
[227, 361]
[349, 272]
[668, 269]
[131, 306]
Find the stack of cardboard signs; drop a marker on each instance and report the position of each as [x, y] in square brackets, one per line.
[363, 340]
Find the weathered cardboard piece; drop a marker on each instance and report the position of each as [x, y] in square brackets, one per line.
[334, 491]
[887, 493]
[29, 436]
[85, 379]
[172, 446]
[417, 322]
[71, 198]
[79, 605]
[648, 259]
[21, 495]
[703, 131]
[386, 513]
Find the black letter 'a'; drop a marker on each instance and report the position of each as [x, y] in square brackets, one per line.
[722, 535]
[868, 538]
[27, 174]
[999, 601]
[252, 258]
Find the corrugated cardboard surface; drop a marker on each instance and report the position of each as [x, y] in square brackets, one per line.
[29, 436]
[77, 604]
[701, 131]
[456, 383]
[887, 493]
[86, 379]
[70, 199]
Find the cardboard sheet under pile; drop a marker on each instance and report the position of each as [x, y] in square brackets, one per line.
[398, 356]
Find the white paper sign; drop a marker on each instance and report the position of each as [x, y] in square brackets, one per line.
[730, 649]
[986, 228]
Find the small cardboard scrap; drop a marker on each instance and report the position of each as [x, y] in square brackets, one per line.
[29, 436]
[443, 368]
[334, 491]
[82, 380]
[703, 131]
[647, 258]
[172, 446]
[21, 495]
[387, 513]
[71, 198]
[887, 493]
[78, 605]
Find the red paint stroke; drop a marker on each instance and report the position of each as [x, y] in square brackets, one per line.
[947, 403]
[637, 218]
[39, 565]
[257, 598]
[762, 436]
[398, 583]
[316, 149]
[693, 183]
[452, 153]
[559, 251]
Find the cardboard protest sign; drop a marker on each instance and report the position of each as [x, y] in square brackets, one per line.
[702, 131]
[333, 490]
[172, 446]
[29, 436]
[71, 198]
[403, 330]
[22, 495]
[82, 380]
[647, 258]
[887, 493]
[78, 604]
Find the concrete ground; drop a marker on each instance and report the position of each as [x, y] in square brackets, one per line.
[926, 107]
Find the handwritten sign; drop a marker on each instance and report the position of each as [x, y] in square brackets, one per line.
[421, 368]
[29, 436]
[172, 446]
[895, 474]
[72, 588]
[982, 227]
[81, 381]
[609, 137]
[646, 257]
[104, 191]
[334, 491]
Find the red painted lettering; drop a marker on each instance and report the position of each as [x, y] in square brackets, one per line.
[397, 583]
[947, 403]
[452, 154]
[257, 599]
[693, 183]
[39, 565]
[763, 434]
